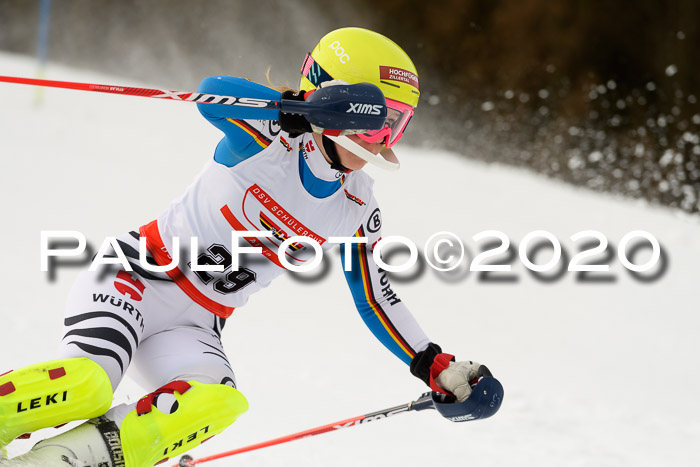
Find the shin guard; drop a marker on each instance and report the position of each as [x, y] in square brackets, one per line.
[51, 393]
[150, 436]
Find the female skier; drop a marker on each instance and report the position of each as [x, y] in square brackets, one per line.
[163, 317]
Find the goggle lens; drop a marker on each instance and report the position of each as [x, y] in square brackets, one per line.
[398, 115]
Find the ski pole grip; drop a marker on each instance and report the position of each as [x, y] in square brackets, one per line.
[425, 401]
[290, 106]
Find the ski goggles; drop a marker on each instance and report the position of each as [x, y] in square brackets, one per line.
[398, 115]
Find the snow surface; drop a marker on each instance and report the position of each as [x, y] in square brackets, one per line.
[595, 374]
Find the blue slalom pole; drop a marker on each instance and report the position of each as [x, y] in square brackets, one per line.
[42, 47]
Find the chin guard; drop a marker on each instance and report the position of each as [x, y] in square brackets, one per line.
[483, 402]
[386, 159]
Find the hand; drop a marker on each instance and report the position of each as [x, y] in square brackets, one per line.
[458, 378]
[439, 371]
[294, 124]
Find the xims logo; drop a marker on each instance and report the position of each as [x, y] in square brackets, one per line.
[360, 108]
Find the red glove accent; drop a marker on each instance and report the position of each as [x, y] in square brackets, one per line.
[441, 362]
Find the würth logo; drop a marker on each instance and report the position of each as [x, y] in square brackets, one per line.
[359, 108]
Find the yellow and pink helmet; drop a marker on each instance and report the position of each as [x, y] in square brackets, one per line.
[357, 55]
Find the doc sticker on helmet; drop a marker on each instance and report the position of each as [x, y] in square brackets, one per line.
[375, 221]
[340, 52]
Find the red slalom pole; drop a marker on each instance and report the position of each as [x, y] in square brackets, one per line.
[424, 402]
[331, 108]
[184, 96]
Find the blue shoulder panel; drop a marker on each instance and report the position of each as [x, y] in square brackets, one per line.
[237, 87]
[242, 138]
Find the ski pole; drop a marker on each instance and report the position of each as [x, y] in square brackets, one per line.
[358, 106]
[425, 401]
[185, 96]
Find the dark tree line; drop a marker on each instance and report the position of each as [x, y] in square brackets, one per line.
[599, 93]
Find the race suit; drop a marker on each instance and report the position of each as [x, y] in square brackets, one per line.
[260, 180]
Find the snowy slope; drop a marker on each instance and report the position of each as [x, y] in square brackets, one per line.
[595, 374]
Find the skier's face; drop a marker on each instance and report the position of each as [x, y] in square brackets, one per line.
[350, 160]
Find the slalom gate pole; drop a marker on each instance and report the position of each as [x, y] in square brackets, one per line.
[184, 96]
[424, 402]
[42, 47]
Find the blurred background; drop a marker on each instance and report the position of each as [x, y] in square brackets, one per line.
[598, 93]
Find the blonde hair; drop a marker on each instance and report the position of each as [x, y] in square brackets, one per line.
[275, 86]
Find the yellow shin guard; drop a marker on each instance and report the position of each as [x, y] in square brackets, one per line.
[51, 393]
[150, 436]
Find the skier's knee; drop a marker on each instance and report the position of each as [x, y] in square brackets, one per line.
[158, 430]
[51, 393]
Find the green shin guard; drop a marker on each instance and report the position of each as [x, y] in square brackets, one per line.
[51, 393]
[150, 436]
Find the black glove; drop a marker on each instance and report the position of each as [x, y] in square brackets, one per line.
[421, 363]
[294, 124]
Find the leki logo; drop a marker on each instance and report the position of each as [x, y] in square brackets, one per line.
[187, 439]
[359, 108]
[39, 402]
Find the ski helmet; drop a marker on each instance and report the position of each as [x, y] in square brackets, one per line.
[357, 55]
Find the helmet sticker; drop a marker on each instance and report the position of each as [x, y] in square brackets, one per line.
[398, 74]
[340, 52]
